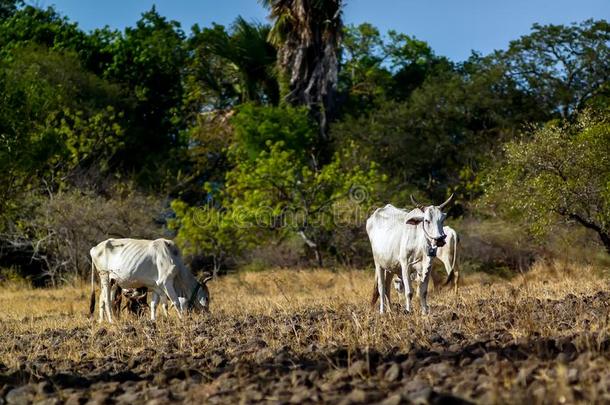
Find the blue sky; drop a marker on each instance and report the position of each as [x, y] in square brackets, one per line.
[452, 27]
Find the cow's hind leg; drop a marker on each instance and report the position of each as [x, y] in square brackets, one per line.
[388, 289]
[452, 273]
[105, 303]
[380, 276]
[456, 278]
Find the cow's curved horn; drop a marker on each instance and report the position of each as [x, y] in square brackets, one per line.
[446, 202]
[205, 280]
[418, 205]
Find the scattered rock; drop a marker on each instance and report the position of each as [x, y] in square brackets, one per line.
[21, 395]
[358, 367]
[357, 396]
[393, 373]
[395, 399]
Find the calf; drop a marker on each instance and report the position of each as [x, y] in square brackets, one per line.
[135, 299]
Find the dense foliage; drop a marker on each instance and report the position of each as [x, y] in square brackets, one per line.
[560, 170]
[250, 137]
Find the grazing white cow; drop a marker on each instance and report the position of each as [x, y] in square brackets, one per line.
[399, 239]
[447, 254]
[154, 264]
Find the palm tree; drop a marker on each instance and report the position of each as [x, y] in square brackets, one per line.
[307, 35]
[238, 65]
[254, 58]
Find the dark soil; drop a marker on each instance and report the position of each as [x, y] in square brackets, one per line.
[238, 366]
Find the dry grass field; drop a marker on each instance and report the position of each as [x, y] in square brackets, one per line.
[310, 336]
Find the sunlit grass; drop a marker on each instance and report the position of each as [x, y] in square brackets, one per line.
[295, 309]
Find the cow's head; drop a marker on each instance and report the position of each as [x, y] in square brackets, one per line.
[200, 300]
[431, 218]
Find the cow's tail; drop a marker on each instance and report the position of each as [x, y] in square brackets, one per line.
[92, 299]
[454, 260]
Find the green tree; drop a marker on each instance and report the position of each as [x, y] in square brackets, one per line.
[376, 68]
[208, 230]
[8, 8]
[564, 67]
[205, 160]
[561, 171]
[32, 25]
[56, 121]
[258, 127]
[363, 74]
[412, 62]
[148, 61]
[279, 193]
[440, 136]
[276, 189]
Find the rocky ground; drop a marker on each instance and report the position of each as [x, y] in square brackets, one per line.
[504, 347]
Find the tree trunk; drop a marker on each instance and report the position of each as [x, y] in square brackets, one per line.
[216, 263]
[603, 234]
[319, 257]
[315, 246]
[605, 237]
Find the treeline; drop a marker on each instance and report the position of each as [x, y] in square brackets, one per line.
[267, 145]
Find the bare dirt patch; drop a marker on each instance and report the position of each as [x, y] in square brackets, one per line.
[309, 337]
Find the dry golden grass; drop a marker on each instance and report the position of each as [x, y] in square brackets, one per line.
[541, 337]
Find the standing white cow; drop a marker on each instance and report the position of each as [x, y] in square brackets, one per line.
[399, 239]
[154, 264]
[447, 254]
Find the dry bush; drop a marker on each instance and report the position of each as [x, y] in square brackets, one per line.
[282, 254]
[495, 246]
[506, 248]
[64, 226]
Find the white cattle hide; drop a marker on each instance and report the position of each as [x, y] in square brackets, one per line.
[154, 264]
[399, 239]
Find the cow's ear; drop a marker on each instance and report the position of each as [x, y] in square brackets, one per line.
[414, 220]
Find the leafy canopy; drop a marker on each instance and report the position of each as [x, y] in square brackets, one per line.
[560, 171]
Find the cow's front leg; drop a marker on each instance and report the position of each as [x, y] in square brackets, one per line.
[423, 285]
[154, 300]
[164, 306]
[406, 279]
[171, 293]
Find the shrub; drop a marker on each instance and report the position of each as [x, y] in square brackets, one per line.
[558, 172]
[61, 228]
